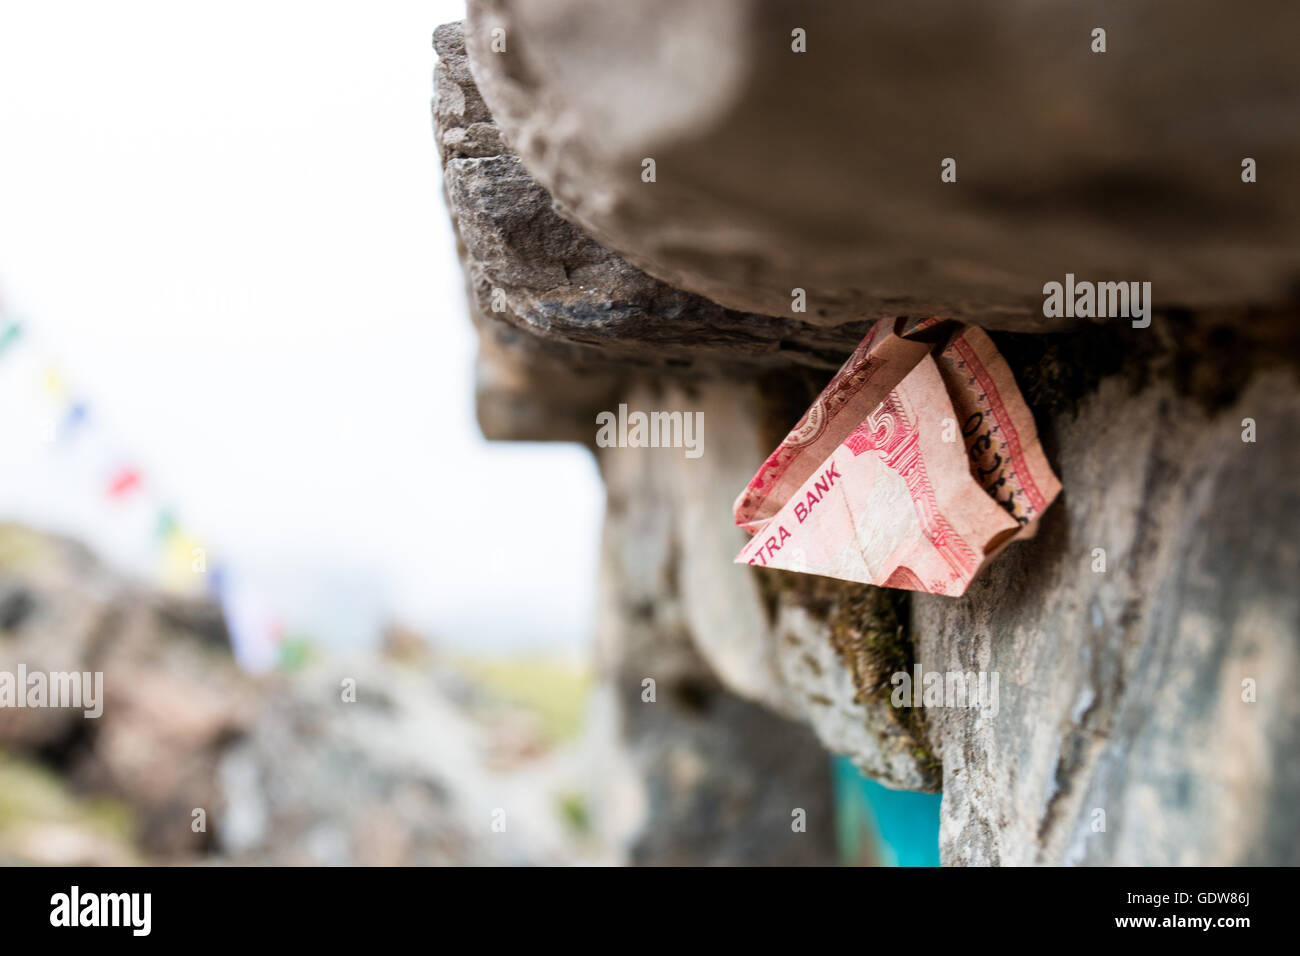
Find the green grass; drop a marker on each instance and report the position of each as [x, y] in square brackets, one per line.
[32, 794]
[555, 691]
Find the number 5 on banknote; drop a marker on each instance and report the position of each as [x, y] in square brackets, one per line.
[870, 486]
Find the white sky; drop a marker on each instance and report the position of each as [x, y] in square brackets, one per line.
[223, 225]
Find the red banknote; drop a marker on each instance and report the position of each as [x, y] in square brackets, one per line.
[914, 467]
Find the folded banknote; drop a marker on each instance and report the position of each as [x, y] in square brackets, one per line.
[913, 468]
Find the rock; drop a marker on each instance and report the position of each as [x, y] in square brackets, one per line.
[820, 170]
[285, 771]
[396, 778]
[534, 397]
[172, 695]
[543, 285]
[1120, 733]
[720, 779]
[528, 389]
[770, 638]
[1122, 690]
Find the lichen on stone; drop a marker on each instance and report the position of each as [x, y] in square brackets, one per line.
[869, 629]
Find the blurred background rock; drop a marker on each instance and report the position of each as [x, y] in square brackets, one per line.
[438, 749]
[285, 770]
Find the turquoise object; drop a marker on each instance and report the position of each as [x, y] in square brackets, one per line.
[879, 826]
[10, 335]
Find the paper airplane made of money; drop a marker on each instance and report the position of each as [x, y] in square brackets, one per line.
[913, 468]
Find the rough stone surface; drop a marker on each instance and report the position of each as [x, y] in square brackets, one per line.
[1120, 691]
[821, 170]
[770, 637]
[572, 298]
[721, 776]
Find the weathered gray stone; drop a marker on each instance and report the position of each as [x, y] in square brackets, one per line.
[522, 394]
[768, 637]
[1119, 691]
[721, 778]
[528, 270]
[821, 170]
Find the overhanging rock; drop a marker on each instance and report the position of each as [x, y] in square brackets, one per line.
[1144, 640]
[777, 169]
